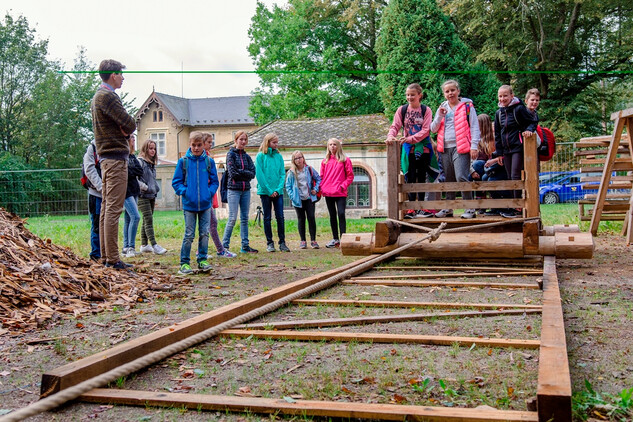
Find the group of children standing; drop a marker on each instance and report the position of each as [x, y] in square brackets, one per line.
[195, 180]
[468, 146]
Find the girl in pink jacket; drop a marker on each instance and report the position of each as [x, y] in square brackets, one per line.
[336, 176]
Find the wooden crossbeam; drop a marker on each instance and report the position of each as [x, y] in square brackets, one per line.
[460, 204]
[449, 268]
[414, 283]
[450, 275]
[304, 408]
[382, 338]
[410, 304]
[462, 186]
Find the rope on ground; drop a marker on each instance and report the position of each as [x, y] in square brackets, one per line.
[71, 393]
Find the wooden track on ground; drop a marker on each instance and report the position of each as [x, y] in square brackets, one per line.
[553, 395]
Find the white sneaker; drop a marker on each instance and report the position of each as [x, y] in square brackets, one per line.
[469, 213]
[146, 249]
[124, 251]
[444, 213]
[130, 253]
[158, 250]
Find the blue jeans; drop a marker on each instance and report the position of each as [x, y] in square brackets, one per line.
[94, 207]
[478, 166]
[130, 222]
[203, 218]
[241, 199]
[267, 203]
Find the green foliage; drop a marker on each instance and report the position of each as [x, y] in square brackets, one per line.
[417, 39]
[588, 402]
[335, 39]
[545, 45]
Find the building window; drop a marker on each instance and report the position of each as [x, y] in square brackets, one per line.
[155, 114]
[359, 193]
[159, 138]
[160, 116]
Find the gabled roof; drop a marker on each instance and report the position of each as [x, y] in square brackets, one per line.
[220, 111]
[366, 129]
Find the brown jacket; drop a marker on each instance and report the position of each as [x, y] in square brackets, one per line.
[109, 117]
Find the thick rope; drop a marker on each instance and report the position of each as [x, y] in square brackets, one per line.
[71, 393]
[466, 228]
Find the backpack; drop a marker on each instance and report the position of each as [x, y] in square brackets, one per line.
[85, 181]
[224, 188]
[547, 149]
[318, 194]
[185, 164]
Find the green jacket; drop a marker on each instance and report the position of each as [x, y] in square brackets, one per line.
[270, 172]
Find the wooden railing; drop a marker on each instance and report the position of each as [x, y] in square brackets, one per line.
[398, 190]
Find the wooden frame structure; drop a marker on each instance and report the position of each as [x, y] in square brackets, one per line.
[607, 155]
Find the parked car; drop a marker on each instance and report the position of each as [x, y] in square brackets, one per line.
[562, 187]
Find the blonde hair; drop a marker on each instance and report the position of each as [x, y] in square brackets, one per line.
[238, 134]
[451, 82]
[207, 135]
[487, 142]
[507, 88]
[196, 135]
[340, 156]
[144, 152]
[264, 145]
[293, 165]
[532, 91]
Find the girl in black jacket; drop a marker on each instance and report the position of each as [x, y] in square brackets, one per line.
[132, 216]
[513, 121]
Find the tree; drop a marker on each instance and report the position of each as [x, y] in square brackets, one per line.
[316, 58]
[418, 43]
[22, 63]
[566, 48]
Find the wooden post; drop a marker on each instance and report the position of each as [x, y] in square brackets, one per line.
[393, 173]
[530, 164]
[627, 226]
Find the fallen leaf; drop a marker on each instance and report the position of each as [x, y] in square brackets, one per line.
[399, 399]
[245, 389]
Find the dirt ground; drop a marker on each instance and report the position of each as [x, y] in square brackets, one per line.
[597, 296]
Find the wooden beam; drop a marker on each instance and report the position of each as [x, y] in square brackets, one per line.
[603, 161]
[463, 186]
[604, 140]
[304, 408]
[364, 320]
[449, 275]
[594, 152]
[409, 304]
[382, 338]
[393, 171]
[453, 268]
[412, 283]
[460, 204]
[615, 167]
[554, 383]
[622, 113]
[99, 363]
[530, 162]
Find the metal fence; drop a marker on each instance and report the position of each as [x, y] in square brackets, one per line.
[54, 192]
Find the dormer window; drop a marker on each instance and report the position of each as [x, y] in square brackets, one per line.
[158, 116]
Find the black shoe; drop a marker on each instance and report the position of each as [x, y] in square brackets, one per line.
[119, 265]
[492, 212]
[96, 259]
[248, 249]
[510, 213]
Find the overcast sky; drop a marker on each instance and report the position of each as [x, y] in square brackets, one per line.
[152, 35]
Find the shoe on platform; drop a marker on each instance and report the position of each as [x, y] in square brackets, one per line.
[410, 214]
[469, 213]
[425, 214]
[444, 213]
[510, 213]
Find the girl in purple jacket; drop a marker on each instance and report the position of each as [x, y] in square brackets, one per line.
[336, 176]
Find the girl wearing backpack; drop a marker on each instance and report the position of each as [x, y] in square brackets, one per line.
[417, 150]
[303, 184]
[458, 136]
[513, 121]
[147, 199]
[336, 176]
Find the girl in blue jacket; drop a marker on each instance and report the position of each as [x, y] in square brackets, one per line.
[303, 184]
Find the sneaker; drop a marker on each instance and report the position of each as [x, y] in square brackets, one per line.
[303, 245]
[119, 265]
[334, 243]
[158, 250]
[131, 253]
[248, 249]
[124, 251]
[469, 213]
[444, 213]
[283, 247]
[185, 269]
[510, 213]
[410, 214]
[226, 254]
[425, 214]
[204, 265]
[271, 247]
[146, 249]
[492, 212]
[314, 244]
[481, 211]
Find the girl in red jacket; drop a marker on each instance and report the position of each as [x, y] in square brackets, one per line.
[336, 176]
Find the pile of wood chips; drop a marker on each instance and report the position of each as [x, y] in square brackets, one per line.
[40, 281]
